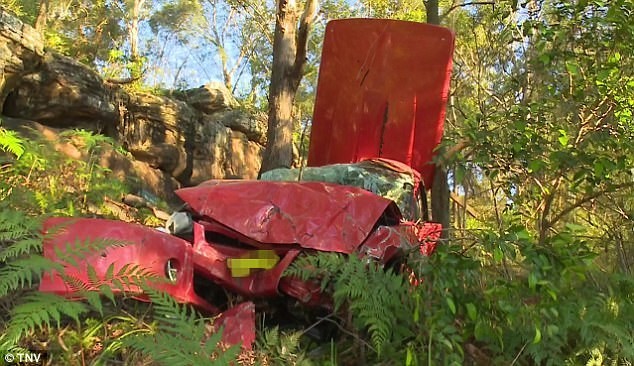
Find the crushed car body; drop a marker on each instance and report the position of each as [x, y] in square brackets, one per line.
[378, 117]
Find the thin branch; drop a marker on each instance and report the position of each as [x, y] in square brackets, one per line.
[585, 200]
[349, 333]
[454, 7]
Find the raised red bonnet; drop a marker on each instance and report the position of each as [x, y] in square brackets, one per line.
[382, 90]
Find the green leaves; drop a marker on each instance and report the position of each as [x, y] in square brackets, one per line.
[36, 311]
[180, 339]
[538, 335]
[563, 138]
[451, 304]
[11, 142]
[378, 300]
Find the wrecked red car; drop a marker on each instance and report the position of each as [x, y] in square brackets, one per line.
[378, 117]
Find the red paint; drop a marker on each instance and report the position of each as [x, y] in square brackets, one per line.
[238, 325]
[148, 248]
[382, 90]
[313, 215]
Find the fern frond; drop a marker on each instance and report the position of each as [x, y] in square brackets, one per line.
[175, 317]
[179, 339]
[89, 139]
[23, 273]
[11, 142]
[38, 310]
[79, 249]
[377, 299]
[167, 349]
[21, 247]
[16, 223]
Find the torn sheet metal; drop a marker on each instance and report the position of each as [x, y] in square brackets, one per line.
[238, 325]
[211, 262]
[428, 234]
[315, 215]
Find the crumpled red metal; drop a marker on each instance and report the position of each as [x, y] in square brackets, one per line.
[69, 240]
[238, 325]
[323, 216]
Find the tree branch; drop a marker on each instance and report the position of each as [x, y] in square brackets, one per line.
[587, 199]
[454, 7]
[308, 16]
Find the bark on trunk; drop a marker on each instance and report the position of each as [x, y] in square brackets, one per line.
[133, 30]
[289, 57]
[433, 15]
[42, 16]
[440, 187]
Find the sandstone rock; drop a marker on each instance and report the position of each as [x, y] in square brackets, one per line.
[169, 158]
[220, 152]
[62, 93]
[156, 130]
[253, 126]
[140, 175]
[211, 98]
[193, 147]
[169, 139]
[34, 130]
[21, 48]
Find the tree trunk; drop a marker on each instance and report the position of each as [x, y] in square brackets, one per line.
[42, 16]
[433, 15]
[440, 199]
[440, 187]
[289, 57]
[133, 30]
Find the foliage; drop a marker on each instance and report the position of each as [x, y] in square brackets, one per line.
[177, 340]
[515, 300]
[538, 267]
[281, 348]
[379, 301]
[11, 142]
[34, 314]
[79, 185]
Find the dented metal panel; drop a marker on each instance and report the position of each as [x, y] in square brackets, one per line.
[381, 93]
[152, 251]
[323, 216]
[211, 262]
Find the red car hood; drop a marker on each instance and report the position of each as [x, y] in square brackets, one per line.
[382, 90]
[322, 216]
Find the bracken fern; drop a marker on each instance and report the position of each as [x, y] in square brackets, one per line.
[11, 142]
[180, 339]
[378, 300]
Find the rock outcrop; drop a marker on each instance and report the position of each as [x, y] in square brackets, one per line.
[174, 142]
[21, 49]
[62, 92]
[211, 98]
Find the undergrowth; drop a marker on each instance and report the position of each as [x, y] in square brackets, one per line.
[379, 300]
[175, 334]
[105, 325]
[507, 298]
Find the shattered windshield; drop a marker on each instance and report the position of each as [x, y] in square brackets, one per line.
[369, 175]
